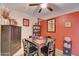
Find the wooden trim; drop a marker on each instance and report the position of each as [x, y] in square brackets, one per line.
[24, 22]
[55, 25]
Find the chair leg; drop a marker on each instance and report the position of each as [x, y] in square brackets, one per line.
[37, 54]
[24, 54]
[54, 53]
[46, 54]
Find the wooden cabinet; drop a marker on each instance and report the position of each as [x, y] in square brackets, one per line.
[36, 30]
[10, 39]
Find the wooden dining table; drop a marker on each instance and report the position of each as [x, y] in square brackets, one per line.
[39, 43]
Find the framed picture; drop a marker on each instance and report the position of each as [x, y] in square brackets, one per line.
[68, 24]
[25, 22]
[51, 25]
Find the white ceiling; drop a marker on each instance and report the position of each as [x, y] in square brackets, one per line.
[58, 9]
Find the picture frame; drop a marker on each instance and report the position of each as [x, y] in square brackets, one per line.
[51, 25]
[25, 22]
[68, 24]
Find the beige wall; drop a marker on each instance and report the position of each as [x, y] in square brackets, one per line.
[26, 31]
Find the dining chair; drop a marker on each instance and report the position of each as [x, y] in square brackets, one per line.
[49, 49]
[29, 48]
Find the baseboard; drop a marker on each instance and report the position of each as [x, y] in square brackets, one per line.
[58, 52]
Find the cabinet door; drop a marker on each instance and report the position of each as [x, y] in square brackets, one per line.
[19, 36]
[5, 39]
[15, 39]
[12, 43]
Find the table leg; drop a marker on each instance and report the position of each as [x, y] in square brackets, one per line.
[39, 51]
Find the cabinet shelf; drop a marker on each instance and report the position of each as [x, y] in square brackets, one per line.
[36, 30]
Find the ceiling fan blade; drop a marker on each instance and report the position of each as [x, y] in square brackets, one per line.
[49, 8]
[40, 10]
[34, 4]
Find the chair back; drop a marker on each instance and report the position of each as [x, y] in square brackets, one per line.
[48, 39]
[27, 44]
[51, 47]
[51, 44]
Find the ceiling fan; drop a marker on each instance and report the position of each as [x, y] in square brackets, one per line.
[42, 6]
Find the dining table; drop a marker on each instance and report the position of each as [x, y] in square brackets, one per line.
[39, 43]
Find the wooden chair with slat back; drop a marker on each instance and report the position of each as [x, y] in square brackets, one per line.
[29, 48]
[49, 49]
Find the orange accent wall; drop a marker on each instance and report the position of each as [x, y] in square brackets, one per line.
[61, 31]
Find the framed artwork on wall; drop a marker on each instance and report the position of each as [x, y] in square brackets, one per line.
[25, 22]
[51, 25]
[68, 24]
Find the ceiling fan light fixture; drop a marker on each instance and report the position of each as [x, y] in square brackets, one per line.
[43, 5]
